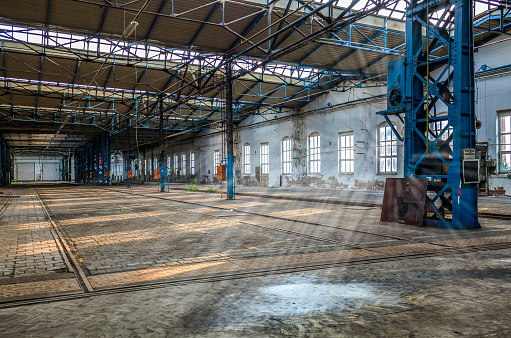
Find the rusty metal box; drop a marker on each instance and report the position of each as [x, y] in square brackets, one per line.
[404, 200]
[221, 172]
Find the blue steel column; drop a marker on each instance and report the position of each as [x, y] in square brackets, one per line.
[462, 56]
[4, 162]
[91, 166]
[453, 71]
[162, 152]
[102, 155]
[109, 163]
[230, 132]
[128, 157]
[414, 145]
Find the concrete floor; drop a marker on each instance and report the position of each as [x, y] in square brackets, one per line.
[190, 263]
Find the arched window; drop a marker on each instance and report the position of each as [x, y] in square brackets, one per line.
[287, 153]
[216, 160]
[176, 164]
[387, 150]
[346, 153]
[265, 158]
[192, 163]
[246, 159]
[314, 153]
[183, 164]
[437, 127]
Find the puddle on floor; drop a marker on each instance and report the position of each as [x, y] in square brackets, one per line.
[311, 298]
[294, 296]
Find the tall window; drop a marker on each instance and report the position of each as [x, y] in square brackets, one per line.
[183, 164]
[155, 163]
[176, 164]
[505, 142]
[287, 152]
[168, 163]
[217, 160]
[265, 158]
[145, 166]
[246, 159]
[314, 153]
[346, 153]
[387, 153]
[192, 163]
[435, 128]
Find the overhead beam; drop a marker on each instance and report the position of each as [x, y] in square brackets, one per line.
[155, 20]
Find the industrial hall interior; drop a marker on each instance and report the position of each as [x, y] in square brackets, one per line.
[260, 168]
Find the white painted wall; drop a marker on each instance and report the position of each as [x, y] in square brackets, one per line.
[493, 95]
[359, 118]
[338, 112]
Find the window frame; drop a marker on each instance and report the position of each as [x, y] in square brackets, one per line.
[176, 164]
[192, 163]
[437, 126]
[501, 152]
[346, 151]
[216, 160]
[314, 153]
[246, 159]
[265, 158]
[287, 156]
[183, 164]
[393, 144]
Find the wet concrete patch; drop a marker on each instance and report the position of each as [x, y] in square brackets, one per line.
[287, 303]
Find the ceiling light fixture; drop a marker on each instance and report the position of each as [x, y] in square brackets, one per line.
[130, 29]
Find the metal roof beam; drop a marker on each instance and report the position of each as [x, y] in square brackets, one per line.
[197, 33]
[102, 22]
[281, 23]
[248, 29]
[48, 14]
[155, 20]
[350, 53]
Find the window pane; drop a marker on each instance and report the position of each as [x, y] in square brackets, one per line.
[506, 162]
[506, 124]
[506, 142]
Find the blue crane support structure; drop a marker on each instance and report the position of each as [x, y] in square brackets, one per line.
[92, 161]
[426, 79]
